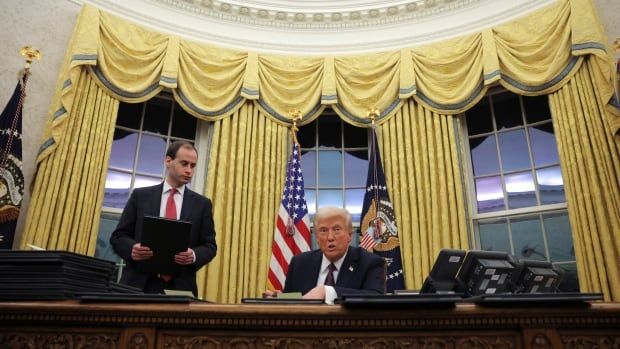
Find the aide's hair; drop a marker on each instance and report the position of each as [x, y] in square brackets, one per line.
[330, 211]
[173, 148]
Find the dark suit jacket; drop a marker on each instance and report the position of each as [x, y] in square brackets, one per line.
[361, 272]
[196, 209]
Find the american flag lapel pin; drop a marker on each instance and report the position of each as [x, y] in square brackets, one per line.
[350, 268]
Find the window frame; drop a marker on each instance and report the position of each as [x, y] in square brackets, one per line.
[470, 184]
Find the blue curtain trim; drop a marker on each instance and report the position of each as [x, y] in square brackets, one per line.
[120, 92]
[382, 115]
[285, 119]
[168, 80]
[455, 106]
[59, 112]
[84, 57]
[207, 113]
[407, 90]
[491, 75]
[66, 84]
[546, 85]
[249, 92]
[46, 145]
[587, 46]
[329, 97]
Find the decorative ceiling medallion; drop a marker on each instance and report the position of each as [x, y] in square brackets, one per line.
[319, 14]
[318, 27]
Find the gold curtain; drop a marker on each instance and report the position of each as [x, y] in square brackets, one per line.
[422, 170]
[591, 170]
[68, 189]
[245, 176]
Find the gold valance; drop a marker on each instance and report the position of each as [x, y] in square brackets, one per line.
[535, 54]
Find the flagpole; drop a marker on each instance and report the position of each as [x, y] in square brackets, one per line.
[373, 113]
[31, 54]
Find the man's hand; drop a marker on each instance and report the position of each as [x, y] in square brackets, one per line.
[184, 258]
[271, 294]
[140, 253]
[316, 293]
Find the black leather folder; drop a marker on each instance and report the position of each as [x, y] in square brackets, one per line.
[166, 237]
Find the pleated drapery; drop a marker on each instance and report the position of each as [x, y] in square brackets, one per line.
[424, 179]
[590, 160]
[68, 190]
[245, 174]
[248, 98]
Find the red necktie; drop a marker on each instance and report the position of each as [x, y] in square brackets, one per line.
[171, 207]
[171, 213]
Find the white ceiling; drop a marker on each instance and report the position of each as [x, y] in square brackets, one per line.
[318, 27]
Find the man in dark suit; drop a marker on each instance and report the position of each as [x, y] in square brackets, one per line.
[336, 268]
[171, 199]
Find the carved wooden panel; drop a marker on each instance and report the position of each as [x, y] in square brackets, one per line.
[184, 340]
[65, 340]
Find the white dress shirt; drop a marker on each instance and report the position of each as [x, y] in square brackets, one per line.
[330, 291]
[178, 203]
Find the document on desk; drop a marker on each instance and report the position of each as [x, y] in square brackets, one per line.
[166, 237]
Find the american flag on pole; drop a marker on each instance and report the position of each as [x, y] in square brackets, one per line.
[292, 235]
[378, 225]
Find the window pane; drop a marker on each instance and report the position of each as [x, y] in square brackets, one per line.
[330, 169]
[183, 124]
[116, 189]
[507, 110]
[494, 235]
[145, 181]
[489, 194]
[557, 228]
[550, 185]
[104, 250]
[520, 190]
[354, 199]
[570, 283]
[157, 115]
[330, 135]
[355, 168]
[536, 109]
[479, 118]
[306, 135]
[151, 157]
[123, 149]
[355, 137]
[330, 198]
[527, 238]
[544, 148]
[513, 150]
[129, 115]
[308, 168]
[311, 202]
[484, 155]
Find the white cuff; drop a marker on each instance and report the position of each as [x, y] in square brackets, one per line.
[193, 256]
[330, 294]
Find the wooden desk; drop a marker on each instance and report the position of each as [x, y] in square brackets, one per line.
[70, 324]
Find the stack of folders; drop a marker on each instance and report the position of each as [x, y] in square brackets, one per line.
[33, 275]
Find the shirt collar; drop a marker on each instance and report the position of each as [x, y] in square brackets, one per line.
[325, 262]
[167, 188]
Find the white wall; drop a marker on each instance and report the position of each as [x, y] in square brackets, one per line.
[47, 26]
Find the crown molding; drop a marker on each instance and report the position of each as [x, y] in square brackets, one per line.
[308, 27]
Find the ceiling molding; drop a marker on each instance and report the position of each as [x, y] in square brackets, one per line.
[318, 27]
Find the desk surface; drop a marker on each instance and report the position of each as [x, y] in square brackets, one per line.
[189, 325]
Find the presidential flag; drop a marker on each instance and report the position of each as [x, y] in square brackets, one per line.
[292, 233]
[11, 176]
[379, 233]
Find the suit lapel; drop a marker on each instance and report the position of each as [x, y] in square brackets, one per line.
[186, 207]
[315, 269]
[154, 200]
[347, 269]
